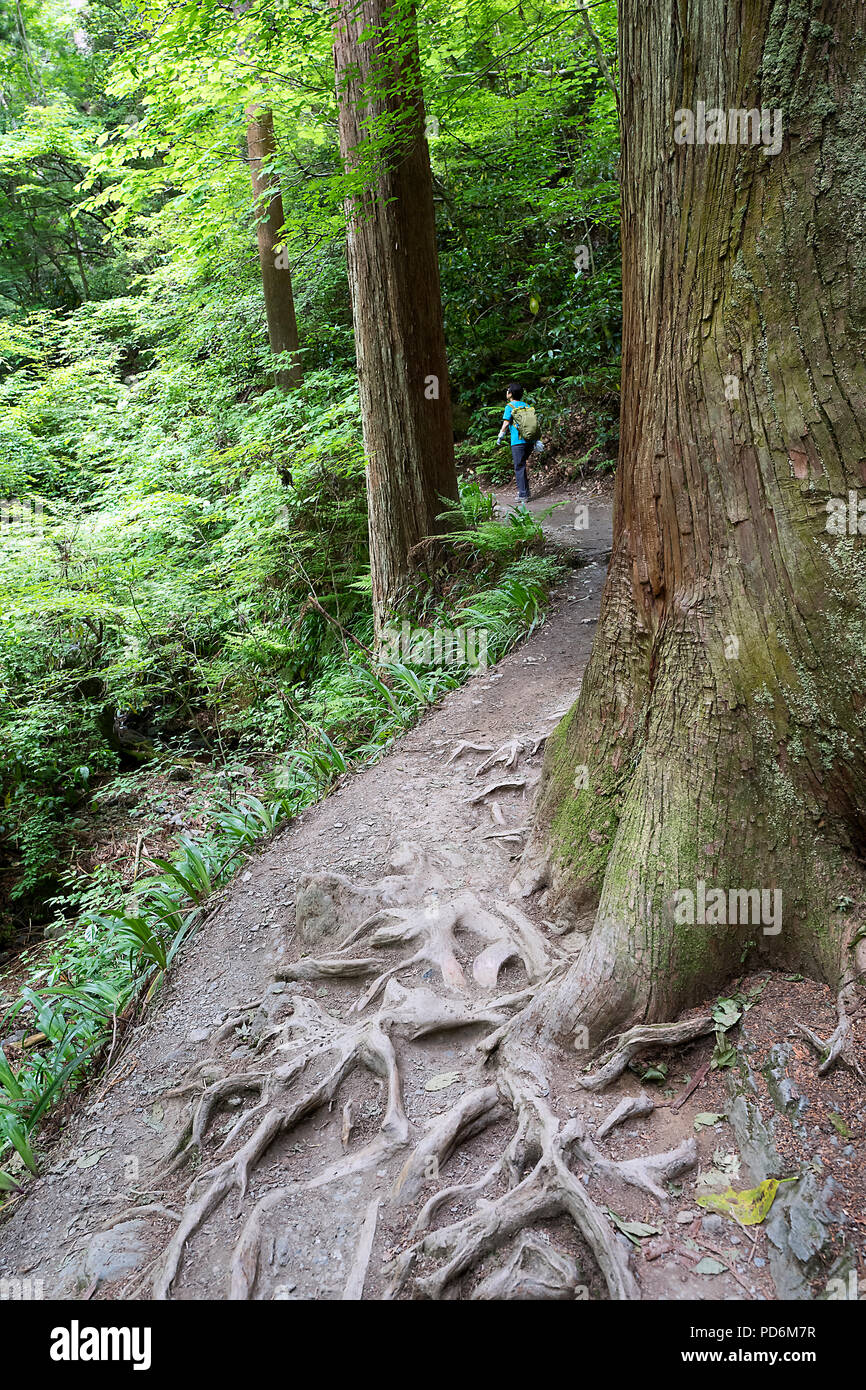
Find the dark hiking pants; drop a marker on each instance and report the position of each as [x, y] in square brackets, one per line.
[520, 454]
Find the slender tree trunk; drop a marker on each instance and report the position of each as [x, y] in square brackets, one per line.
[79, 257]
[276, 276]
[719, 734]
[394, 281]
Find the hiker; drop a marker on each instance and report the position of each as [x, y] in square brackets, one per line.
[522, 421]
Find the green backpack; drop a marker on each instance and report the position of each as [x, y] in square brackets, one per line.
[525, 421]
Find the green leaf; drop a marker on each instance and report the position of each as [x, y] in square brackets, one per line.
[707, 1119]
[635, 1230]
[8, 1079]
[656, 1071]
[839, 1124]
[17, 1136]
[726, 1013]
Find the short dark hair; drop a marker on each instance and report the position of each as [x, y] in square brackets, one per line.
[515, 390]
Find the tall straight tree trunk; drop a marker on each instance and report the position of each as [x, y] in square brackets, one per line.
[394, 281]
[276, 276]
[719, 735]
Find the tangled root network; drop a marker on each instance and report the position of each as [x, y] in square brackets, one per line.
[419, 961]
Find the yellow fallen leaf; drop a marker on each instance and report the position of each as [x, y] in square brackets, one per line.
[749, 1207]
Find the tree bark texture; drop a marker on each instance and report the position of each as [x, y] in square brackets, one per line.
[276, 276]
[719, 733]
[396, 303]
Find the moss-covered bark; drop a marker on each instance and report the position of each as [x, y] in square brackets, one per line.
[721, 718]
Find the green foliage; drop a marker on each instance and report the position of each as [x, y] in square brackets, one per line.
[515, 606]
[495, 540]
[133, 948]
[184, 568]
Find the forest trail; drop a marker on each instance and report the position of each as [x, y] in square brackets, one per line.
[411, 829]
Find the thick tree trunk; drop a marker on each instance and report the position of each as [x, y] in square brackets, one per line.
[276, 276]
[394, 281]
[721, 719]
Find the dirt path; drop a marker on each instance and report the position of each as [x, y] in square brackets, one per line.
[415, 830]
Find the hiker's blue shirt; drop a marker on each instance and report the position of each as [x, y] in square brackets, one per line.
[509, 410]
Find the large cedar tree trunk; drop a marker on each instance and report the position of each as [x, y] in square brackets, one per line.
[394, 282]
[276, 276]
[721, 718]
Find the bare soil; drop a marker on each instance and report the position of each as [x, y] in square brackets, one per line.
[415, 808]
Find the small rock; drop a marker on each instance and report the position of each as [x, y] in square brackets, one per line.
[712, 1224]
[108, 1256]
[685, 1218]
[199, 1035]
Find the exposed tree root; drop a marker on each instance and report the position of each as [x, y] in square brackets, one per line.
[328, 903]
[303, 1055]
[304, 1058]
[509, 753]
[645, 1173]
[548, 1148]
[644, 1035]
[334, 967]
[550, 1188]
[503, 784]
[473, 1113]
[516, 832]
[533, 1270]
[839, 1047]
[314, 1053]
[412, 1013]
[432, 1206]
[463, 747]
[314, 1042]
[137, 1213]
[355, 1284]
[630, 1108]
[432, 930]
